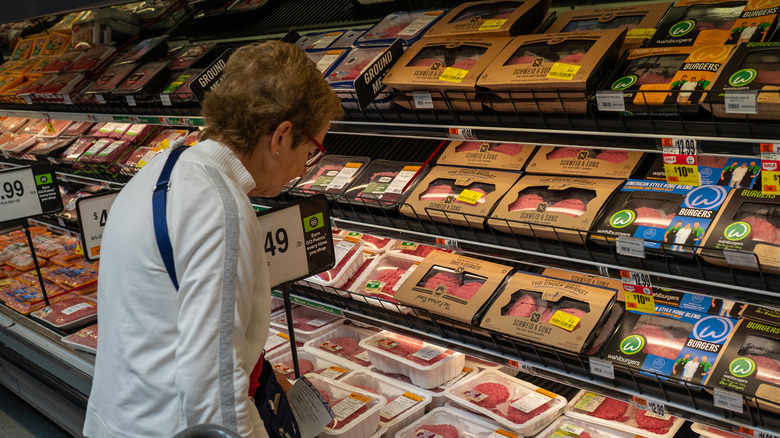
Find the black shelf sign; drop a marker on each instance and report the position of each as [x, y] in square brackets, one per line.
[27, 192]
[210, 78]
[369, 84]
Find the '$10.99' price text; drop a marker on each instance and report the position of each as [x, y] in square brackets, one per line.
[12, 189]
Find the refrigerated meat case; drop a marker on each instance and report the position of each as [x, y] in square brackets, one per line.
[54, 378]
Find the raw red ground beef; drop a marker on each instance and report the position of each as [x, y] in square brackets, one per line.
[390, 277]
[333, 273]
[654, 78]
[376, 243]
[569, 207]
[652, 424]
[68, 310]
[650, 217]
[339, 424]
[467, 146]
[526, 59]
[762, 230]
[768, 77]
[450, 281]
[467, 291]
[301, 323]
[561, 153]
[574, 58]
[526, 202]
[465, 64]
[437, 192]
[660, 342]
[422, 250]
[479, 201]
[615, 157]
[360, 270]
[445, 430]
[423, 62]
[611, 409]
[523, 307]
[366, 388]
[324, 395]
[496, 392]
[349, 345]
[86, 336]
[508, 149]
[517, 416]
[424, 362]
[305, 366]
[767, 369]
[711, 161]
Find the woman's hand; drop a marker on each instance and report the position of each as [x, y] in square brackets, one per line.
[283, 382]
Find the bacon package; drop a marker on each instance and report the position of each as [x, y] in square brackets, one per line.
[708, 22]
[617, 414]
[674, 343]
[666, 80]
[333, 174]
[381, 184]
[577, 161]
[407, 26]
[491, 155]
[640, 21]
[553, 207]
[749, 222]
[491, 18]
[668, 217]
[551, 311]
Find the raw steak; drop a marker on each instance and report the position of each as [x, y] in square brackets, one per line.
[659, 341]
[526, 202]
[467, 291]
[574, 58]
[650, 217]
[762, 230]
[561, 153]
[510, 149]
[570, 207]
[523, 307]
[615, 157]
[437, 192]
[767, 369]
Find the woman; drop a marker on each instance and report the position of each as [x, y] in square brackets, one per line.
[169, 359]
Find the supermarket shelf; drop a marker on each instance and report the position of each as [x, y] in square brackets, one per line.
[688, 401]
[118, 117]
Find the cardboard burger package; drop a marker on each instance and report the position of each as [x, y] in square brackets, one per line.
[491, 18]
[575, 161]
[490, 155]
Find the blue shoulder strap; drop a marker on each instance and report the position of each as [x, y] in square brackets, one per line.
[159, 199]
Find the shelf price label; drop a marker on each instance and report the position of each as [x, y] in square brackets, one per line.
[770, 168]
[651, 406]
[728, 400]
[638, 291]
[602, 368]
[93, 213]
[27, 192]
[680, 163]
[297, 240]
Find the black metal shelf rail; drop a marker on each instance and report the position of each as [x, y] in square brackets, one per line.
[685, 400]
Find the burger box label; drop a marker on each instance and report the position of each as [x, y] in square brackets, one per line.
[593, 280]
[752, 68]
[553, 207]
[549, 311]
[750, 363]
[666, 216]
[732, 172]
[748, 222]
[458, 196]
[490, 155]
[760, 313]
[666, 80]
[571, 61]
[676, 343]
[708, 23]
[688, 301]
[440, 285]
[640, 21]
[491, 18]
[575, 161]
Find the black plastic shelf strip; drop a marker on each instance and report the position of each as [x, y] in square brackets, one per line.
[688, 401]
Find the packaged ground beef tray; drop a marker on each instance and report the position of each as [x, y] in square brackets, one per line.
[622, 416]
[165, 138]
[30, 88]
[371, 244]
[62, 84]
[407, 26]
[13, 124]
[514, 404]
[413, 248]
[576, 161]
[491, 18]
[356, 409]
[307, 322]
[68, 312]
[348, 258]
[92, 58]
[706, 431]
[490, 155]
[84, 339]
[147, 50]
[113, 77]
[311, 361]
[347, 39]
[343, 341]
[454, 286]
[550, 311]
[707, 22]
[427, 365]
[63, 62]
[385, 275]
[318, 40]
[668, 80]
[456, 195]
[570, 426]
[74, 151]
[146, 79]
[25, 299]
[85, 159]
[553, 207]
[333, 174]
[749, 222]
[673, 344]
[137, 133]
[342, 76]
[191, 55]
[451, 423]
[669, 217]
[381, 184]
[640, 21]
[753, 67]
[112, 153]
[326, 59]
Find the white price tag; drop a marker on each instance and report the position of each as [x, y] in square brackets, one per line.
[631, 246]
[333, 372]
[400, 180]
[92, 214]
[427, 353]
[728, 400]
[745, 259]
[130, 99]
[609, 100]
[28, 99]
[679, 146]
[422, 100]
[363, 356]
[741, 102]
[399, 405]
[602, 368]
[349, 405]
[462, 133]
[165, 99]
[275, 341]
[326, 61]
[651, 407]
[67, 99]
[319, 322]
[405, 276]
[530, 401]
[28, 191]
[100, 98]
[326, 40]
[344, 176]
[604, 271]
[76, 307]
[417, 25]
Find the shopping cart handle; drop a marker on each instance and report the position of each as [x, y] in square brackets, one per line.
[206, 431]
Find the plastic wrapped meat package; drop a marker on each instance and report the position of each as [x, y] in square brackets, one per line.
[308, 323]
[462, 57]
[13, 124]
[765, 353]
[112, 153]
[75, 277]
[628, 22]
[385, 275]
[447, 423]
[17, 144]
[93, 58]
[440, 189]
[514, 404]
[62, 84]
[25, 299]
[652, 70]
[427, 365]
[382, 183]
[352, 65]
[310, 361]
[84, 339]
[663, 337]
[622, 416]
[343, 341]
[578, 161]
[571, 202]
[148, 49]
[356, 409]
[368, 257]
[525, 303]
[60, 127]
[31, 88]
[63, 62]
[414, 249]
[68, 312]
[317, 40]
[165, 138]
[348, 256]
[190, 55]
[567, 52]
[74, 151]
[443, 280]
[146, 79]
[568, 426]
[136, 134]
[408, 26]
[111, 78]
[333, 174]
[326, 59]
[84, 161]
[651, 211]
[764, 220]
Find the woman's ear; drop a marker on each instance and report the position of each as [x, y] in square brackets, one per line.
[281, 136]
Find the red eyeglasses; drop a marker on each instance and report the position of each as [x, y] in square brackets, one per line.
[316, 156]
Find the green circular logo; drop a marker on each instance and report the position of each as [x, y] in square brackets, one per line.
[743, 77]
[742, 367]
[737, 231]
[624, 82]
[682, 28]
[623, 218]
[632, 344]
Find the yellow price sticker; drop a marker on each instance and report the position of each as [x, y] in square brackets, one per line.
[492, 24]
[453, 75]
[165, 144]
[502, 432]
[283, 335]
[641, 33]
[338, 369]
[684, 174]
[79, 249]
[353, 237]
[564, 320]
[563, 71]
[50, 127]
[546, 393]
[469, 196]
[640, 302]
[353, 165]
[360, 398]
[770, 181]
[414, 397]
